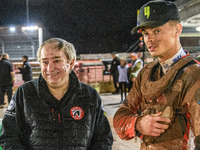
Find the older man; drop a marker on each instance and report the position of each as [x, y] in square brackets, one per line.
[56, 111]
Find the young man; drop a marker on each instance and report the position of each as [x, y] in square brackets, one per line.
[163, 106]
[56, 111]
[26, 70]
[6, 78]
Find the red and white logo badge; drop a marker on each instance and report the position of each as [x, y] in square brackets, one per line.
[77, 113]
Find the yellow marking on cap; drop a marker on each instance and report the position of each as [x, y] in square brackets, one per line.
[147, 11]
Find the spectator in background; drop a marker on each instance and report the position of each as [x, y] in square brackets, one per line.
[114, 71]
[133, 70]
[6, 78]
[123, 78]
[82, 74]
[26, 70]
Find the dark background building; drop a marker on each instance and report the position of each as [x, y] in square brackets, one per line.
[93, 26]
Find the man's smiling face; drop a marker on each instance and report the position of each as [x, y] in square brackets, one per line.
[55, 67]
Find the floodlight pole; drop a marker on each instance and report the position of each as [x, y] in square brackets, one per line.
[27, 11]
[2, 45]
[40, 36]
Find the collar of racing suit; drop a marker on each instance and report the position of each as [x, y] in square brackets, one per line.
[153, 89]
[167, 63]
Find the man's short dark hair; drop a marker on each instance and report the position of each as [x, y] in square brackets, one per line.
[25, 56]
[114, 53]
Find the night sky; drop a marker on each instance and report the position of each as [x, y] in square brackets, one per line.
[93, 26]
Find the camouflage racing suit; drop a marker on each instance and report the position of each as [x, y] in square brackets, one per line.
[179, 89]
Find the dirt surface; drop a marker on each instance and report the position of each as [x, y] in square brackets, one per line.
[111, 104]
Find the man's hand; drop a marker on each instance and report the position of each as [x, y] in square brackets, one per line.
[148, 125]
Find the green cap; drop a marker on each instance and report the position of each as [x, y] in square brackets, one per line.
[156, 13]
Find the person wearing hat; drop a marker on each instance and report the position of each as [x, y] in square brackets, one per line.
[163, 106]
[133, 70]
[114, 71]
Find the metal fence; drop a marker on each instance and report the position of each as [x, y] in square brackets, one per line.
[86, 74]
[92, 74]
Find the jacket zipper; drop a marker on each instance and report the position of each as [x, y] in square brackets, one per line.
[53, 117]
[58, 117]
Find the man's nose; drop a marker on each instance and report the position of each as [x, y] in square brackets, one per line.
[50, 67]
[150, 38]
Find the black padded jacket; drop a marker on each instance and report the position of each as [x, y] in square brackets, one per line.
[35, 120]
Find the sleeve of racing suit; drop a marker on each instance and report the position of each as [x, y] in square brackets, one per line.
[10, 132]
[192, 100]
[197, 142]
[102, 138]
[126, 116]
[194, 110]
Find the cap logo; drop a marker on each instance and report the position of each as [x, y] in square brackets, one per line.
[147, 11]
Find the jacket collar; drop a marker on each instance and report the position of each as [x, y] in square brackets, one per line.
[4, 59]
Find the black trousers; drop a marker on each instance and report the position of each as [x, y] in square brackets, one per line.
[5, 90]
[123, 87]
[115, 81]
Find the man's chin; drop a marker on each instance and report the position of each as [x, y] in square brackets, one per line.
[52, 81]
[52, 84]
[154, 55]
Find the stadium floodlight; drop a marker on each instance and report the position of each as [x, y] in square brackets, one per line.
[198, 29]
[30, 28]
[12, 29]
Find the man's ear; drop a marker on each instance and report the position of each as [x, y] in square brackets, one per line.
[179, 28]
[72, 64]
